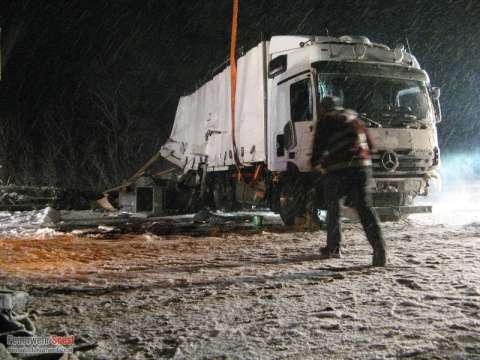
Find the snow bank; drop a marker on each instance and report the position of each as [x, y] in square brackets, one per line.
[28, 223]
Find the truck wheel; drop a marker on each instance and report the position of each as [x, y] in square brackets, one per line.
[291, 198]
[315, 207]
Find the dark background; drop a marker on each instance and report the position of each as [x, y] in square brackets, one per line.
[89, 92]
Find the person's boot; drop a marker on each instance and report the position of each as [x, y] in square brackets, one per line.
[326, 253]
[379, 258]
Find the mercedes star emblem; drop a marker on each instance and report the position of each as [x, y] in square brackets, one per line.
[390, 161]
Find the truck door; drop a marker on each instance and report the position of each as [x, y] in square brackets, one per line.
[291, 122]
[298, 131]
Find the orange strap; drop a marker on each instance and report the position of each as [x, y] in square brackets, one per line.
[233, 79]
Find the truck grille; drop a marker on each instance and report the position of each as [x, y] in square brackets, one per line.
[388, 163]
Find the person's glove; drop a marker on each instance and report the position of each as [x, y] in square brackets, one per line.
[319, 168]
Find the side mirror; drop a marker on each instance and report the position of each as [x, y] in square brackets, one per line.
[277, 66]
[435, 92]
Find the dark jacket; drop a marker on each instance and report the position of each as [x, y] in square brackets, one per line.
[341, 141]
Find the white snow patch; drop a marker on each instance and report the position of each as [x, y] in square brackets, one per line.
[28, 223]
[458, 204]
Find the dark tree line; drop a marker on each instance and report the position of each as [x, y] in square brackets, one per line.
[89, 90]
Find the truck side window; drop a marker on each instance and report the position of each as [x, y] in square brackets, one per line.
[301, 101]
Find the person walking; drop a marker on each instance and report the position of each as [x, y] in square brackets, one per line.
[341, 152]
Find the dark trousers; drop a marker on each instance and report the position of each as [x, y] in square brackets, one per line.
[351, 184]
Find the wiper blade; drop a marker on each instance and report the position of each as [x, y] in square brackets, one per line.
[405, 120]
[370, 121]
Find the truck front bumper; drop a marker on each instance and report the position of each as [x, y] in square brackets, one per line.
[387, 211]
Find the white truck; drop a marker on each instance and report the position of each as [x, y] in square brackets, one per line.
[279, 86]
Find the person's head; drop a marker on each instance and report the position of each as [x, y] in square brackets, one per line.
[329, 103]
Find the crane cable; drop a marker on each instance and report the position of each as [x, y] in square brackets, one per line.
[233, 95]
[233, 82]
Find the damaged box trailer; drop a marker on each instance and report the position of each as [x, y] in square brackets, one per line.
[279, 86]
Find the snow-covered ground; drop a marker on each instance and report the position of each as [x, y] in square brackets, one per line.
[263, 296]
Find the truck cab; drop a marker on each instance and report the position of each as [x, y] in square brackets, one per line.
[386, 87]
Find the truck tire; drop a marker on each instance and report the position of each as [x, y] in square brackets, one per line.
[291, 197]
[315, 205]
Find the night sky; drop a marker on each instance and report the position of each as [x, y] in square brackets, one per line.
[89, 92]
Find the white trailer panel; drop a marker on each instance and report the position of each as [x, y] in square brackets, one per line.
[202, 126]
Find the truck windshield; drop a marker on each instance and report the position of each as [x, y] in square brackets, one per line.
[380, 101]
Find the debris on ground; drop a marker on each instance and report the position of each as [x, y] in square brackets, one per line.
[90, 222]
